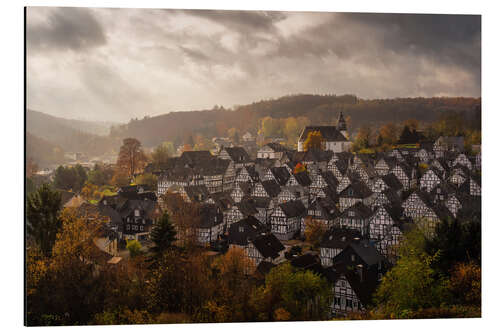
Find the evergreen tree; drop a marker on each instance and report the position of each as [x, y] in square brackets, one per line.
[43, 217]
[163, 234]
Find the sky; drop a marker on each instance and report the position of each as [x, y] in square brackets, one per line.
[116, 64]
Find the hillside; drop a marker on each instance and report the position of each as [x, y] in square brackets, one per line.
[320, 109]
[70, 135]
[90, 127]
[44, 153]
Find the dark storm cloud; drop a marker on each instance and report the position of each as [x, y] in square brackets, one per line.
[154, 61]
[454, 38]
[66, 28]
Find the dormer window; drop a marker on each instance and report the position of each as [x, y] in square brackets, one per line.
[353, 258]
[351, 213]
[241, 229]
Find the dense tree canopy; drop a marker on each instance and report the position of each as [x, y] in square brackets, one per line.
[70, 178]
[42, 213]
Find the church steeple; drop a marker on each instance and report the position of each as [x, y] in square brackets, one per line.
[341, 125]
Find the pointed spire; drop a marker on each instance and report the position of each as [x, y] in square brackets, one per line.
[341, 125]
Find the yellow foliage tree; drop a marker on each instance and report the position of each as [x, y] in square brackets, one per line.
[315, 141]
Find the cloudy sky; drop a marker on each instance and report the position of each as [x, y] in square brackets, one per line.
[115, 64]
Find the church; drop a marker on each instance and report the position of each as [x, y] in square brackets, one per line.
[336, 138]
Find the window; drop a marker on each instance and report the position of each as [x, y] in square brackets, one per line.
[136, 212]
[351, 213]
[342, 284]
[353, 257]
[142, 228]
[349, 303]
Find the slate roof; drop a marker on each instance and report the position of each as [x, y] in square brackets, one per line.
[271, 187]
[356, 189]
[197, 193]
[238, 154]
[359, 209]
[367, 252]
[339, 238]
[281, 175]
[242, 231]
[327, 206]
[276, 147]
[222, 200]
[247, 207]
[392, 181]
[330, 179]
[293, 208]
[268, 245]
[329, 133]
[314, 155]
[309, 261]
[302, 178]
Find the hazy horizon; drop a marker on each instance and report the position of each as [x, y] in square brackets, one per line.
[115, 64]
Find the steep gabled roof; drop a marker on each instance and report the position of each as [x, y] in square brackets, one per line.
[244, 230]
[302, 178]
[237, 154]
[392, 181]
[196, 193]
[268, 245]
[271, 187]
[281, 175]
[359, 209]
[293, 208]
[367, 252]
[339, 238]
[329, 133]
[356, 189]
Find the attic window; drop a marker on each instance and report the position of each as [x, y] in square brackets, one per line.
[353, 258]
[241, 229]
[136, 212]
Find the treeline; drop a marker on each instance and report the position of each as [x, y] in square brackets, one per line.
[318, 109]
[371, 137]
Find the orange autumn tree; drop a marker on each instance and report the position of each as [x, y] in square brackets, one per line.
[299, 168]
[131, 159]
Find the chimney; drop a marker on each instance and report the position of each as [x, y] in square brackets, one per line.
[359, 270]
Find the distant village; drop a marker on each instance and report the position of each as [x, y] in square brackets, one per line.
[363, 203]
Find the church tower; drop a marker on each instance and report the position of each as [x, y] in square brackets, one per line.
[341, 125]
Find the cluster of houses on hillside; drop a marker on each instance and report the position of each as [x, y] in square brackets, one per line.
[367, 202]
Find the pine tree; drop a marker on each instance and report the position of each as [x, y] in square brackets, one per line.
[163, 234]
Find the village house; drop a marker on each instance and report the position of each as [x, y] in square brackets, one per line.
[287, 218]
[335, 137]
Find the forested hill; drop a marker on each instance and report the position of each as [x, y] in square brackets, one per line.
[319, 109]
[68, 135]
[90, 127]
